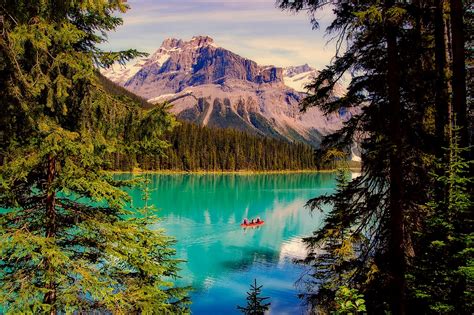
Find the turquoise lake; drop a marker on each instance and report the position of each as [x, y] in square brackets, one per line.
[204, 212]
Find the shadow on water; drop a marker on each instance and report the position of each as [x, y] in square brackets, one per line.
[249, 257]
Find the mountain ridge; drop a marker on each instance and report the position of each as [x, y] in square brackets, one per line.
[210, 85]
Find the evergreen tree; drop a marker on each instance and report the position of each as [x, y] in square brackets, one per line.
[255, 302]
[398, 56]
[442, 274]
[67, 244]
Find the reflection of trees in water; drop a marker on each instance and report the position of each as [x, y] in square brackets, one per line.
[255, 181]
[229, 194]
[215, 266]
[249, 257]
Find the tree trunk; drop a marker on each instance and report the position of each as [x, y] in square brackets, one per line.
[396, 245]
[51, 228]
[442, 92]
[459, 70]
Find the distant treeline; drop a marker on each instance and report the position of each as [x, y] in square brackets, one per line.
[198, 148]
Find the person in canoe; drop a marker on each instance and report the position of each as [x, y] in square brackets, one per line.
[252, 223]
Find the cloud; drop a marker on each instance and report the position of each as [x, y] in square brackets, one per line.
[255, 29]
[243, 11]
[282, 51]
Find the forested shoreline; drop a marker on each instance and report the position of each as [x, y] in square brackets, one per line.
[192, 147]
[197, 148]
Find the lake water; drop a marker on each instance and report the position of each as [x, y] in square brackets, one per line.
[204, 213]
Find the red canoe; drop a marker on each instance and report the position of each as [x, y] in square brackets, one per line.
[252, 224]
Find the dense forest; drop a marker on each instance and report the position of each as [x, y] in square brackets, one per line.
[198, 148]
[398, 239]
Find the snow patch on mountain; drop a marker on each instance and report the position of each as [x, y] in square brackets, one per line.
[299, 77]
[121, 73]
[162, 98]
[298, 82]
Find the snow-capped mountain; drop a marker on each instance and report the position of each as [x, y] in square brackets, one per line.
[120, 74]
[213, 86]
[297, 77]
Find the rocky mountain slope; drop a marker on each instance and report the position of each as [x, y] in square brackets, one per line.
[213, 86]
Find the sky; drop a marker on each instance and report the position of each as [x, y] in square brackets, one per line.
[254, 29]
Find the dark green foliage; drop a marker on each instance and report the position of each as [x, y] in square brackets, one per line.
[442, 277]
[197, 148]
[358, 233]
[255, 303]
[335, 250]
[66, 245]
[400, 58]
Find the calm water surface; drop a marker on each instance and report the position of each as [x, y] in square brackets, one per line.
[204, 212]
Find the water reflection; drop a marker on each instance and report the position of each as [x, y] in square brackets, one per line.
[204, 213]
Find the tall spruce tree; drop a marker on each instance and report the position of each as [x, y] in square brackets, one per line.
[67, 244]
[397, 55]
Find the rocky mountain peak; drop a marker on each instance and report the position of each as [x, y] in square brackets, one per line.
[195, 42]
[171, 43]
[178, 64]
[202, 41]
[211, 85]
[295, 70]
